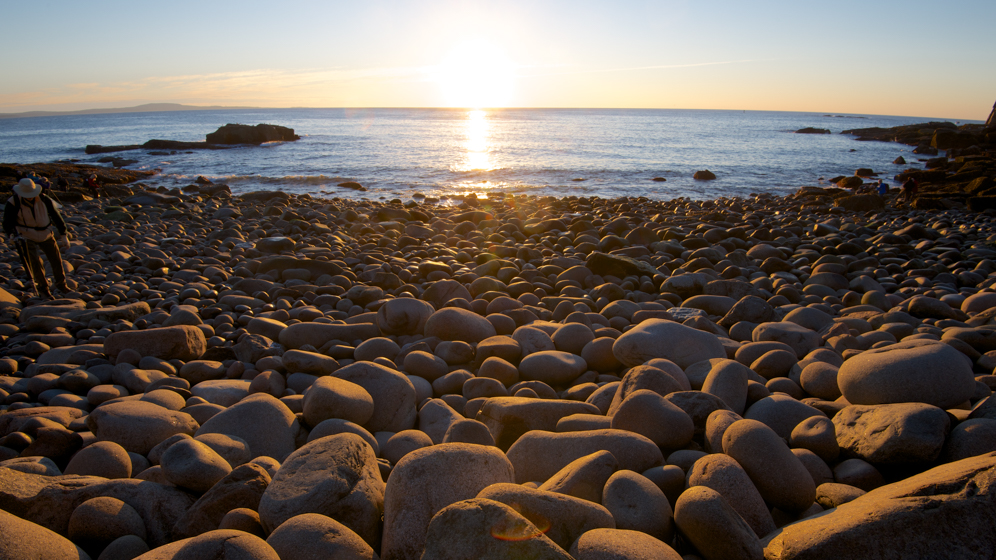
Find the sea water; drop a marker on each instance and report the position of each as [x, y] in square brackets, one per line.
[398, 153]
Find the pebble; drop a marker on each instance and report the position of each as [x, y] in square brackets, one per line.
[138, 426]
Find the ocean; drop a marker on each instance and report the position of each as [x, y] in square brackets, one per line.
[397, 153]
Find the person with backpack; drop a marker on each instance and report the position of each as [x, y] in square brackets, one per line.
[93, 185]
[31, 221]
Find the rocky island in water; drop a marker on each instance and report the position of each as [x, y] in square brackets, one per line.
[278, 376]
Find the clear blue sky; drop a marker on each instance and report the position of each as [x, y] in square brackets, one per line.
[911, 58]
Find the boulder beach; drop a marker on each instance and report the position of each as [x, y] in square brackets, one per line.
[272, 375]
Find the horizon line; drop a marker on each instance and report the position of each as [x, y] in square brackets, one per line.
[181, 107]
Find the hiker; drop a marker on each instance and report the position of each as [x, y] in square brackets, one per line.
[31, 221]
[93, 185]
[883, 189]
[909, 189]
[39, 180]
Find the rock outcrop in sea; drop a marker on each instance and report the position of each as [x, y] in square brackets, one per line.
[225, 137]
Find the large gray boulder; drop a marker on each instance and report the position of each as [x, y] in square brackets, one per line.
[948, 512]
[264, 422]
[392, 392]
[915, 371]
[138, 426]
[336, 476]
[660, 338]
[538, 455]
[24, 540]
[50, 501]
[892, 433]
[427, 480]
[183, 342]
[480, 529]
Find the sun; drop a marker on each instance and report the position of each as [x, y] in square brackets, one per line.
[476, 75]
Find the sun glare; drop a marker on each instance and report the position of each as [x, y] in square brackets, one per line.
[476, 75]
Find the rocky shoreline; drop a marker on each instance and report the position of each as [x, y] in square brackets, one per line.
[282, 376]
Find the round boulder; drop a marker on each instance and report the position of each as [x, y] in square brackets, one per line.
[921, 371]
[660, 338]
[552, 367]
[331, 397]
[454, 323]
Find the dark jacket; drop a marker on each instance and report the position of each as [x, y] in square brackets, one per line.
[13, 206]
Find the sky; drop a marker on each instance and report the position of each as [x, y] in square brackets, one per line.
[909, 58]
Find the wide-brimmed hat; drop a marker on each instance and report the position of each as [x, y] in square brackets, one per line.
[26, 188]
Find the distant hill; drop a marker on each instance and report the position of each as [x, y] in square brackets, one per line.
[147, 108]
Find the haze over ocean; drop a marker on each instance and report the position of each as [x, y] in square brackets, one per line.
[437, 152]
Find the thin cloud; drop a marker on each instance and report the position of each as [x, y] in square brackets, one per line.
[250, 86]
[637, 68]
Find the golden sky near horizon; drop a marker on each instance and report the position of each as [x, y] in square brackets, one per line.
[629, 54]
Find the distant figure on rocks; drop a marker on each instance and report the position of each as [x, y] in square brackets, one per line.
[93, 185]
[882, 188]
[62, 183]
[910, 187]
[39, 180]
[30, 221]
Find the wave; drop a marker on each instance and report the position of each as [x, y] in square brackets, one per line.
[317, 180]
